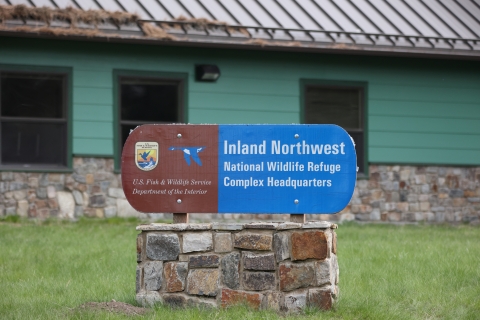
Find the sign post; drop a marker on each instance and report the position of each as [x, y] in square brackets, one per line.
[295, 169]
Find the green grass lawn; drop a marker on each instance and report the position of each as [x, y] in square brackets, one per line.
[386, 272]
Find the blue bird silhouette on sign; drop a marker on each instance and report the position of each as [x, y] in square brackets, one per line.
[144, 155]
[190, 152]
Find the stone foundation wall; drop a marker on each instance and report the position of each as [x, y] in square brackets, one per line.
[432, 194]
[282, 266]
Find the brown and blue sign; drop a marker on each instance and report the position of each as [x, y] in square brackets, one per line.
[239, 168]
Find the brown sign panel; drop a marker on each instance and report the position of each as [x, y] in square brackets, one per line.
[171, 168]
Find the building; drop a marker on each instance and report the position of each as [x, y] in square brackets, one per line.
[402, 77]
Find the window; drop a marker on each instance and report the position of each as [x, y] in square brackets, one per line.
[343, 105]
[33, 120]
[148, 99]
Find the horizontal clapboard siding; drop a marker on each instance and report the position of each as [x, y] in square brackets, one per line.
[420, 111]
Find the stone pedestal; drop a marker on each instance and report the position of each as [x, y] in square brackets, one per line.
[282, 266]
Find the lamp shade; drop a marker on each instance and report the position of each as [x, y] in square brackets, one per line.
[207, 72]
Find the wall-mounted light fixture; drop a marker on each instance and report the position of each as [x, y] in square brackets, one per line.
[207, 72]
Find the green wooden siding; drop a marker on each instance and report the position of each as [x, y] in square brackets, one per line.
[420, 111]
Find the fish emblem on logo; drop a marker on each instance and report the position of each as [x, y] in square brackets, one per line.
[190, 153]
[146, 155]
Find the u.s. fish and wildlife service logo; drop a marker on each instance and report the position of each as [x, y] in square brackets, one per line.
[146, 155]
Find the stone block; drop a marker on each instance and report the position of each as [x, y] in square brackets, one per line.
[110, 211]
[306, 245]
[296, 301]
[97, 200]
[375, 214]
[394, 216]
[456, 193]
[11, 211]
[402, 206]
[173, 226]
[430, 216]
[162, 246]
[258, 281]
[347, 217]
[252, 261]
[53, 203]
[204, 261]
[51, 192]
[274, 300]
[459, 202]
[425, 206]
[194, 242]
[138, 279]
[261, 225]
[78, 196]
[174, 300]
[78, 212]
[418, 216]
[7, 176]
[42, 193]
[415, 206]
[325, 272]
[99, 213]
[12, 186]
[33, 182]
[89, 178]
[203, 282]
[43, 213]
[230, 270]
[227, 226]
[153, 275]
[281, 246]
[148, 299]
[223, 242]
[194, 302]
[116, 193]
[334, 242]
[125, 210]
[175, 276]
[139, 247]
[289, 225]
[19, 194]
[66, 204]
[40, 203]
[319, 224]
[296, 275]
[253, 241]
[3, 186]
[22, 209]
[320, 298]
[233, 297]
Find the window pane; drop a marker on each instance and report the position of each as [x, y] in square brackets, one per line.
[33, 143]
[149, 100]
[328, 105]
[31, 95]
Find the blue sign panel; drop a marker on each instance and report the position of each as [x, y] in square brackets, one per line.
[285, 169]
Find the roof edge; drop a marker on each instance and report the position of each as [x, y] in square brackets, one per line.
[264, 45]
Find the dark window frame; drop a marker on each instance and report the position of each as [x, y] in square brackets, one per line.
[66, 120]
[336, 84]
[181, 79]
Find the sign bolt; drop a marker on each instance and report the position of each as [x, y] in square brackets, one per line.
[179, 200]
[296, 136]
[296, 201]
[179, 135]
